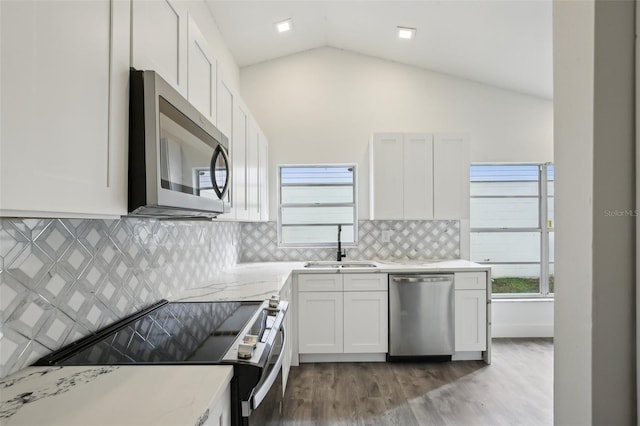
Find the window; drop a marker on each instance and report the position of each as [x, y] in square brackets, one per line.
[313, 201]
[512, 226]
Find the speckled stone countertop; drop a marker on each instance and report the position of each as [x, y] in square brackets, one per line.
[112, 395]
[258, 281]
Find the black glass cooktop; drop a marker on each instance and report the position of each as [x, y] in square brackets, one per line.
[181, 333]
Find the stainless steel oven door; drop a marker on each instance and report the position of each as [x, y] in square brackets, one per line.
[264, 405]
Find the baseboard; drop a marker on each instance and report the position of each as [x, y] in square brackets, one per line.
[342, 358]
[467, 356]
[522, 330]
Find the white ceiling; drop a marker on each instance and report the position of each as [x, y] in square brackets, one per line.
[505, 43]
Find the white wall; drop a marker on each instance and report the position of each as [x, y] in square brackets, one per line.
[322, 106]
[522, 318]
[594, 360]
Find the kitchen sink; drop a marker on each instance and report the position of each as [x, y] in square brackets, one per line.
[336, 265]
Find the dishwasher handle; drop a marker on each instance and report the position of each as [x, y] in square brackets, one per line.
[421, 278]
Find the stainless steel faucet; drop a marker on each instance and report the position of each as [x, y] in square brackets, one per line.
[340, 255]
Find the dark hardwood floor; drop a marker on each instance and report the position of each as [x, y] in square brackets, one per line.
[516, 389]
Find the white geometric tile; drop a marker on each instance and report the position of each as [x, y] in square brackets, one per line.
[75, 259]
[55, 239]
[12, 241]
[93, 275]
[29, 266]
[12, 295]
[92, 234]
[55, 284]
[31, 228]
[33, 352]
[30, 315]
[108, 253]
[55, 331]
[12, 345]
[74, 301]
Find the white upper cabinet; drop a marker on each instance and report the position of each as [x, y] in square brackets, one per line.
[253, 171]
[201, 73]
[263, 178]
[65, 93]
[451, 176]
[64, 101]
[387, 177]
[239, 150]
[225, 110]
[159, 40]
[419, 176]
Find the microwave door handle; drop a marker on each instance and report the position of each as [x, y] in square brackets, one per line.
[259, 392]
[220, 152]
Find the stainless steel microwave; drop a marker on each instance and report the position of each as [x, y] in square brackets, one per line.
[178, 160]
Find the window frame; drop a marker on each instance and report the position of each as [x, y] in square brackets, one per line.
[354, 204]
[544, 228]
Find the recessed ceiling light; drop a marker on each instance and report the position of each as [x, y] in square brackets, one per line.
[284, 26]
[406, 33]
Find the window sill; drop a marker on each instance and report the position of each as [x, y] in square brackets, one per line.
[521, 299]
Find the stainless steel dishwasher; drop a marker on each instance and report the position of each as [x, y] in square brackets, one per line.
[421, 315]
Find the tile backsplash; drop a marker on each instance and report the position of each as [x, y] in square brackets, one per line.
[408, 239]
[63, 279]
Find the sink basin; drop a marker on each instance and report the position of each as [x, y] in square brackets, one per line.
[336, 265]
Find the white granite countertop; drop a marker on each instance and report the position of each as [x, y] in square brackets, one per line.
[111, 395]
[245, 281]
[258, 281]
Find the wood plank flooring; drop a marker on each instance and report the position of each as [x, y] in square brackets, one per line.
[516, 389]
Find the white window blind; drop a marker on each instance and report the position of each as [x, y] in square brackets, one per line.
[313, 201]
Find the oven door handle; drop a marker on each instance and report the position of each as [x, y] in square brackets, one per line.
[260, 391]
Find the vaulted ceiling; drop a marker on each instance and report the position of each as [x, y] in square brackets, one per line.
[504, 43]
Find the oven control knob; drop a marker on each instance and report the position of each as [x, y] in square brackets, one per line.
[274, 302]
[245, 351]
[250, 339]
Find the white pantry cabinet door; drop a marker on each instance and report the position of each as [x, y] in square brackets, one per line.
[418, 176]
[239, 153]
[320, 323]
[386, 180]
[451, 155]
[366, 321]
[470, 320]
[64, 101]
[159, 39]
[201, 72]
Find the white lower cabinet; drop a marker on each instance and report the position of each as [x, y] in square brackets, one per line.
[220, 410]
[470, 311]
[365, 321]
[333, 320]
[320, 322]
